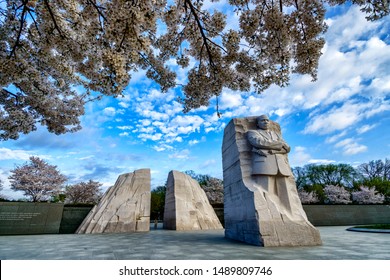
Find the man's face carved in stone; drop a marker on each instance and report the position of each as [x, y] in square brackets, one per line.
[263, 122]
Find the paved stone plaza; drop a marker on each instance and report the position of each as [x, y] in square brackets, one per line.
[338, 243]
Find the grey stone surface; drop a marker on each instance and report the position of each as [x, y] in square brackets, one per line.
[125, 207]
[262, 206]
[72, 217]
[187, 206]
[338, 244]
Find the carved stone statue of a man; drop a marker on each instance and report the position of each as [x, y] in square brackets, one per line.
[261, 202]
[269, 150]
[270, 166]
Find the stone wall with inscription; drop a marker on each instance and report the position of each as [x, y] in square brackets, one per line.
[30, 218]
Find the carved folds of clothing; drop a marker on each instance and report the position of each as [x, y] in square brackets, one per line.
[267, 157]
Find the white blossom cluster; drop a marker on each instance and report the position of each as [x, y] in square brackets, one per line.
[49, 49]
[336, 195]
[214, 190]
[367, 195]
[84, 192]
[339, 195]
[37, 179]
[308, 197]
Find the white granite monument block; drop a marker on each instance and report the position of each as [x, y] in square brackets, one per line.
[125, 207]
[261, 203]
[187, 206]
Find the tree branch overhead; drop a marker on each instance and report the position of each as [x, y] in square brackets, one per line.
[47, 48]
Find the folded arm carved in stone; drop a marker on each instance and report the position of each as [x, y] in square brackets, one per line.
[263, 140]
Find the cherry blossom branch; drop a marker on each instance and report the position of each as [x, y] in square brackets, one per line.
[22, 20]
[53, 19]
[201, 30]
[98, 9]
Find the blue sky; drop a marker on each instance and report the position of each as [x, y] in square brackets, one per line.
[343, 117]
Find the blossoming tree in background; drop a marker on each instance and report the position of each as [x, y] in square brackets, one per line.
[84, 192]
[37, 179]
[308, 197]
[367, 195]
[336, 195]
[48, 49]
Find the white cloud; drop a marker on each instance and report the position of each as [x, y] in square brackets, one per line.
[147, 129]
[381, 84]
[230, 99]
[299, 156]
[109, 111]
[349, 27]
[349, 89]
[350, 147]
[354, 149]
[4, 177]
[172, 109]
[124, 104]
[348, 114]
[155, 94]
[200, 109]
[365, 128]
[183, 125]
[185, 129]
[348, 63]
[7, 154]
[152, 114]
[171, 138]
[335, 119]
[211, 119]
[128, 97]
[125, 127]
[183, 154]
[187, 120]
[193, 142]
[153, 137]
[141, 105]
[377, 108]
[162, 147]
[336, 137]
[321, 161]
[86, 158]
[145, 122]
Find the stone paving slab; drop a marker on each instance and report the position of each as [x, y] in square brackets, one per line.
[338, 243]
